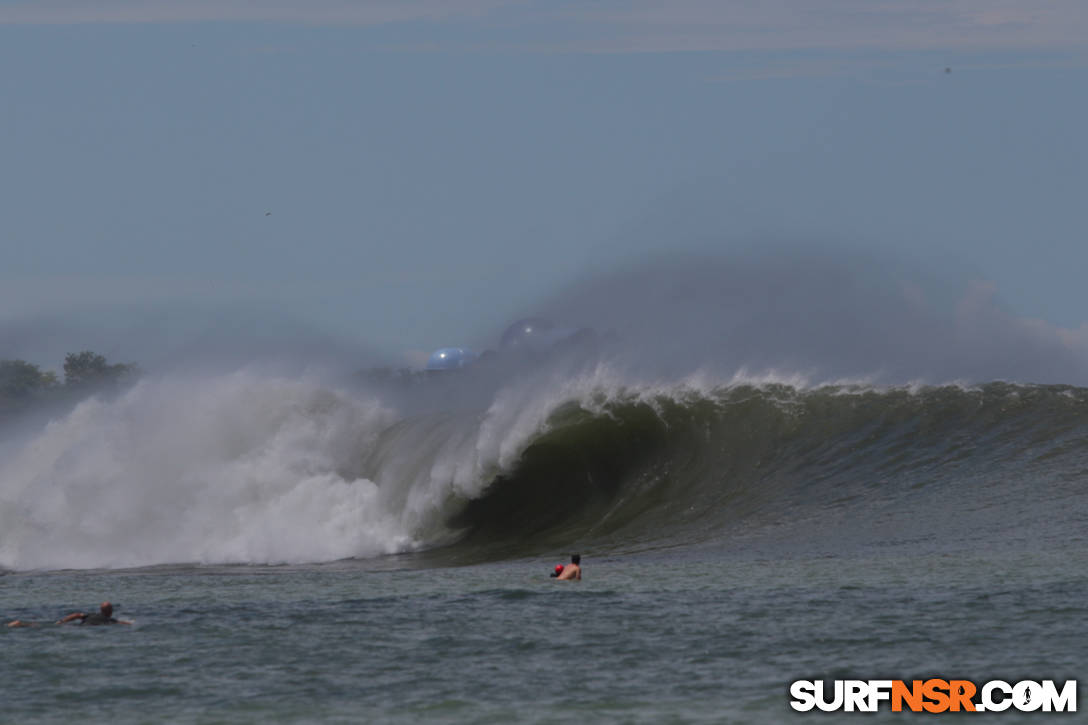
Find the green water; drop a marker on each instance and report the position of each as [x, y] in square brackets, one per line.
[654, 637]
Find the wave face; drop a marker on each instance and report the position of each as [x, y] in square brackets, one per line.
[251, 468]
[833, 466]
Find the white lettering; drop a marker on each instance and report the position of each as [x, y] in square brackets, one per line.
[823, 703]
[804, 695]
[1065, 701]
[879, 690]
[1027, 696]
[855, 695]
[988, 699]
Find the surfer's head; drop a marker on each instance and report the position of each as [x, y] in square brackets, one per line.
[107, 609]
[575, 559]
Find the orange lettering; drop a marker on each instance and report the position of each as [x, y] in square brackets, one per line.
[937, 691]
[961, 693]
[912, 695]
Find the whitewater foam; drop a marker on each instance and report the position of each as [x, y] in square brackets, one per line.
[238, 468]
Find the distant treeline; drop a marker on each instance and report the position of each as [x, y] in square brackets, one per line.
[24, 385]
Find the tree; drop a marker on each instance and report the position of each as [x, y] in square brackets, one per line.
[20, 379]
[89, 368]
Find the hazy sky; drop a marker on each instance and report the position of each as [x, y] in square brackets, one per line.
[418, 173]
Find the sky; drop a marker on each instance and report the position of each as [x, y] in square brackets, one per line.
[408, 175]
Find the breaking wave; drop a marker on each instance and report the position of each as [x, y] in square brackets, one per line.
[253, 468]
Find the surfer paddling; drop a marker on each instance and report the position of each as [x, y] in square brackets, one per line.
[104, 615]
[573, 570]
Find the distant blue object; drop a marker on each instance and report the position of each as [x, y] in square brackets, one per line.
[450, 358]
[534, 333]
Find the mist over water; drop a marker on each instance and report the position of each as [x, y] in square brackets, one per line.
[188, 337]
[716, 401]
[819, 315]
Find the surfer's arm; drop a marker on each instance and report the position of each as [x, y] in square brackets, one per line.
[70, 617]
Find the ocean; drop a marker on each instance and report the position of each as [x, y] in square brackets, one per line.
[291, 549]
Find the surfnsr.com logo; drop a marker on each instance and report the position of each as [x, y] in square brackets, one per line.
[933, 695]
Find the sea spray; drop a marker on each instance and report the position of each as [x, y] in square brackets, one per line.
[234, 468]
